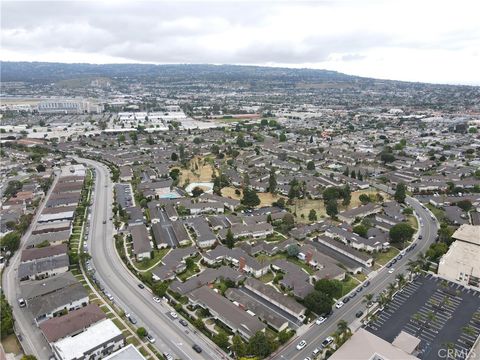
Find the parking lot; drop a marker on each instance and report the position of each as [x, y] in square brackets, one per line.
[443, 315]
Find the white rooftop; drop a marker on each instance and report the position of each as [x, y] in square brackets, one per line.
[94, 336]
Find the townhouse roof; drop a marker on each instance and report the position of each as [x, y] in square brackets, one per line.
[52, 284]
[31, 268]
[43, 252]
[75, 321]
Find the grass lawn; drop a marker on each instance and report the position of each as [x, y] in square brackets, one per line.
[384, 257]
[267, 277]
[302, 264]
[157, 256]
[360, 277]
[263, 257]
[188, 273]
[303, 207]
[275, 237]
[348, 284]
[119, 324]
[355, 201]
[412, 220]
[133, 341]
[439, 213]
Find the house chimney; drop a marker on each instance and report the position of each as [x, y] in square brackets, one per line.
[242, 264]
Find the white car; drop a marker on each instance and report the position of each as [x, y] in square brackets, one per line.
[320, 320]
[339, 304]
[150, 339]
[156, 299]
[173, 315]
[301, 345]
[391, 270]
[315, 351]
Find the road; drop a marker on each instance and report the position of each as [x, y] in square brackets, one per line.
[379, 280]
[33, 341]
[170, 336]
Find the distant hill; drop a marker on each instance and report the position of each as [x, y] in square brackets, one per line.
[42, 71]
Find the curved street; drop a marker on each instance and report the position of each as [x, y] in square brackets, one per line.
[170, 336]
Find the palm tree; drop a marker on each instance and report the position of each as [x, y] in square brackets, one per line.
[367, 298]
[418, 317]
[401, 280]
[391, 289]
[422, 260]
[343, 329]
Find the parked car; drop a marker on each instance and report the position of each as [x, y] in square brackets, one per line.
[168, 356]
[347, 299]
[359, 313]
[320, 320]
[150, 339]
[327, 342]
[183, 322]
[315, 351]
[301, 345]
[366, 283]
[339, 304]
[21, 302]
[173, 314]
[156, 299]
[391, 271]
[131, 318]
[197, 348]
[141, 286]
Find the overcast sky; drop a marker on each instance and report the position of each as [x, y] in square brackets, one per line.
[417, 40]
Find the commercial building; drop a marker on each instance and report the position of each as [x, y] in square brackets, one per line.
[460, 263]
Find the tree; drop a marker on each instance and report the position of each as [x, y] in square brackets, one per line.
[12, 188]
[282, 137]
[333, 288]
[121, 139]
[6, 317]
[387, 157]
[250, 198]
[174, 156]
[134, 137]
[221, 339]
[346, 195]
[465, 205]
[238, 346]
[11, 241]
[332, 208]
[400, 193]
[312, 215]
[150, 140]
[310, 165]
[288, 221]
[353, 175]
[241, 141]
[272, 182]
[293, 250]
[436, 251]
[197, 191]
[261, 344]
[401, 232]
[360, 230]
[160, 288]
[364, 199]
[142, 332]
[330, 193]
[229, 240]
[318, 302]
[40, 168]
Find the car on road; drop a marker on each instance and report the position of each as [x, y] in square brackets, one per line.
[308, 358]
[197, 348]
[352, 295]
[141, 286]
[183, 322]
[109, 296]
[320, 320]
[21, 302]
[301, 345]
[393, 261]
[339, 304]
[104, 221]
[315, 351]
[168, 356]
[359, 289]
[391, 271]
[150, 339]
[173, 314]
[327, 342]
[420, 237]
[359, 313]
[131, 318]
[347, 299]
[366, 283]
[156, 299]
[389, 265]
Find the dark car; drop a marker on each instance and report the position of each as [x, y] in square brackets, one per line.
[197, 348]
[347, 299]
[359, 289]
[420, 237]
[366, 283]
[389, 265]
[359, 313]
[183, 322]
[352, 295]
[141, 286]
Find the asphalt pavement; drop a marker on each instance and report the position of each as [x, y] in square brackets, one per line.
[112, 273]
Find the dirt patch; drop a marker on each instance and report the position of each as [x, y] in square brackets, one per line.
[304, 206]
[11, 345]
[266, 199]
[198, 171]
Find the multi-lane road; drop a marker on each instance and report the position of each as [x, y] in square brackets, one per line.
[114, 276]
[379, 280]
